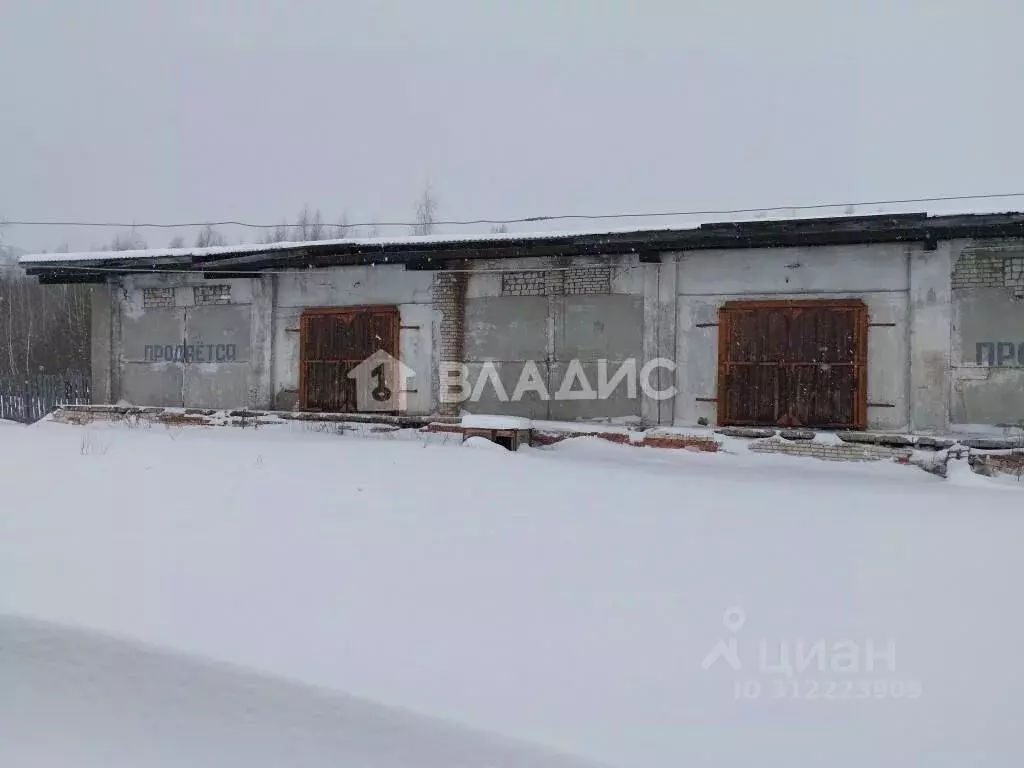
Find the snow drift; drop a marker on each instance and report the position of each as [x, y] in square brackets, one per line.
[75, 699]
[563, 597]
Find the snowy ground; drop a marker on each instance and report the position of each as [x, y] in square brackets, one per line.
[73, 698]
[565, 597]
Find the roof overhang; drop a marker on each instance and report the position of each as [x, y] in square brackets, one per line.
[437, 252]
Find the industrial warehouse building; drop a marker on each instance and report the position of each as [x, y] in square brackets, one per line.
[891, 322]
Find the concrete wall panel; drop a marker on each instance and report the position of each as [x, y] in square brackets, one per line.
[152, 384]
[354, 286]
[618, 405]
[261, 384]
[286, 352]
[627, 276]
[985, 315]
[223, 385]
[602, 327]
[989, 397]
[488, 399]
[483, 285]
[820, 270]
[148, 328]
[988, 369]
[221, 325]
[507, 328]
[931, 317]
[416, 351]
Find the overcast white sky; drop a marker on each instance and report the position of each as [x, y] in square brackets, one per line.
[210, 109]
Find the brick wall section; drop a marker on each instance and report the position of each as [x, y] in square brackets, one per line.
[588, 281]
[211, 294]
[522, 283]
[450, 301]
[539, 437]
[827, 451]
[155, 298]
[988, 269]
[996, 463]
[575, 281]
[1014, 272]
[554, 283]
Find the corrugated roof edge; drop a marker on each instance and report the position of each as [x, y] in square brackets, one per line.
[365, 242]
[426, 251]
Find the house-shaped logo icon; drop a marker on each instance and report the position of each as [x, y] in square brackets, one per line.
[381, 383]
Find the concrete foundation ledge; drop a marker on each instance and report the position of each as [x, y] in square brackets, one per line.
[829, 451]
[85, 414]
[652, 438]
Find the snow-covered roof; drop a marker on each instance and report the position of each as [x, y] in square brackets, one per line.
[762, 231]
[368, 242]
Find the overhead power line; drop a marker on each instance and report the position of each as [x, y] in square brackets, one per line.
[522, 220]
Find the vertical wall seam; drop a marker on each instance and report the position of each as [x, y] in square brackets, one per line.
[674, 349]
[908, 374]
[271, 344]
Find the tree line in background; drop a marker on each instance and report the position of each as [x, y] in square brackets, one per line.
[309, 226]
[44, 329]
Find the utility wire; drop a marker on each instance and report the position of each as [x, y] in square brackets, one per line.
[523, 220]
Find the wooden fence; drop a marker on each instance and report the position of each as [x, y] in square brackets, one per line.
[30, 399]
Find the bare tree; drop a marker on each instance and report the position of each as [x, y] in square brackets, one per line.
[176, 242]
[45, 328]
[127, 241]
[499, 229]
[426, 213]
[342, 228]
[308, 227]
[303, 225]
[279, 234]
[317, 230]
[208, 236]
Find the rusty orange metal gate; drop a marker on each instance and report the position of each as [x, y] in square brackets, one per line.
[333, 342]
[793, 363]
